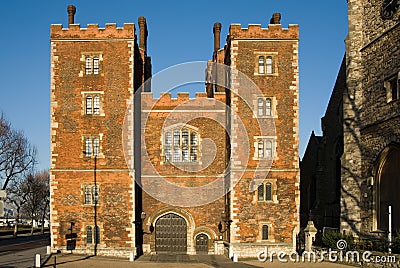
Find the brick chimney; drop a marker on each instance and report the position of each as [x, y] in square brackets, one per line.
[143, 33]
[217, 36]
[276, 18]
[71, 13]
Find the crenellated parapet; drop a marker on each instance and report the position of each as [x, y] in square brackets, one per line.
[273, 31]
[110, 31]
[166, 101]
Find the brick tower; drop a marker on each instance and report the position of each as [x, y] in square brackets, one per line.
[94, 73]
[239, 137]
[268, 216]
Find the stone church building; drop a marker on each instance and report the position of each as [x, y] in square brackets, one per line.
[142, 174]
[359, 151]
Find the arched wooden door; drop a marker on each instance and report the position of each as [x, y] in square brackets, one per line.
[171, 234]
[202, 244]
[389, 188]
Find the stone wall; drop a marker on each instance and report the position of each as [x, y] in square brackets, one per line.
[372, 56]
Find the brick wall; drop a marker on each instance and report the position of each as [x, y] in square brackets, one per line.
[71, 170]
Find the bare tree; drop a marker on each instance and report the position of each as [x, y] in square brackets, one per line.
[17, 196]
[16, 154]
[37, 195]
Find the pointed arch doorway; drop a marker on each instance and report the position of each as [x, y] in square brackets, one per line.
[388, 188]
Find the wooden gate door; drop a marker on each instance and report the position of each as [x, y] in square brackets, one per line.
[202, 244]
[171, 234]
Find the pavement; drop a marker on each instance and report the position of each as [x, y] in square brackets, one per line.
[169, 261]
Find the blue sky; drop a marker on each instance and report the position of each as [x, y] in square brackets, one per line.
[179, 31]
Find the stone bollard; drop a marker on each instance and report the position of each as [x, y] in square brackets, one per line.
[37, 260]
[235, 257]
[131, 257]
[310, 231]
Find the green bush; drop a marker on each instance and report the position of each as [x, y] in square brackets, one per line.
[330, 240]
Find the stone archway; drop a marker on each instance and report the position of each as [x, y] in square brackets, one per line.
[388, 188]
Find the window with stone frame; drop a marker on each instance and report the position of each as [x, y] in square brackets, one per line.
[265, 149]
[264, 191]
[181, 145]
[92, 235]
[261, 65]
[265, 63]
[92, 65]
[265, 107]
[92, 104]
[91, 194]
[91, 147]
[265, 232]
[392, 87]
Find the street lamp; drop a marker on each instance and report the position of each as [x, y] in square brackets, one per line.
[96, 229]
[226, 221]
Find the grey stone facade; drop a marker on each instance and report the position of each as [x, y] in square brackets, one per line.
[370, 119]
[363, 113]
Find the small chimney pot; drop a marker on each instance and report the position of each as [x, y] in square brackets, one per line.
[71, 13]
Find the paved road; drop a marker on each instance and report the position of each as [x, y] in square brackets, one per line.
[12, 244]
[20, 252]
[172, 261]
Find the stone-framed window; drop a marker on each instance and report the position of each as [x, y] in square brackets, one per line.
[92, 234]
[91, 194]
[91, 63]
[267, 191]
[92, 103]
[264, 148]
[91, 145]
[266, 63]
[264, 107]
[180, 144]
[261, 65]
[392, 87]
[264, 191]
[265, 232]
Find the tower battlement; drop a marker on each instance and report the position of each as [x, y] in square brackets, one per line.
[273, 31]
[166, 100]
[74, 31]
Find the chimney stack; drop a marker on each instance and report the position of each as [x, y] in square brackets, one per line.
[217, 36]
[276, 18]
[143, 33]
[71, 13]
